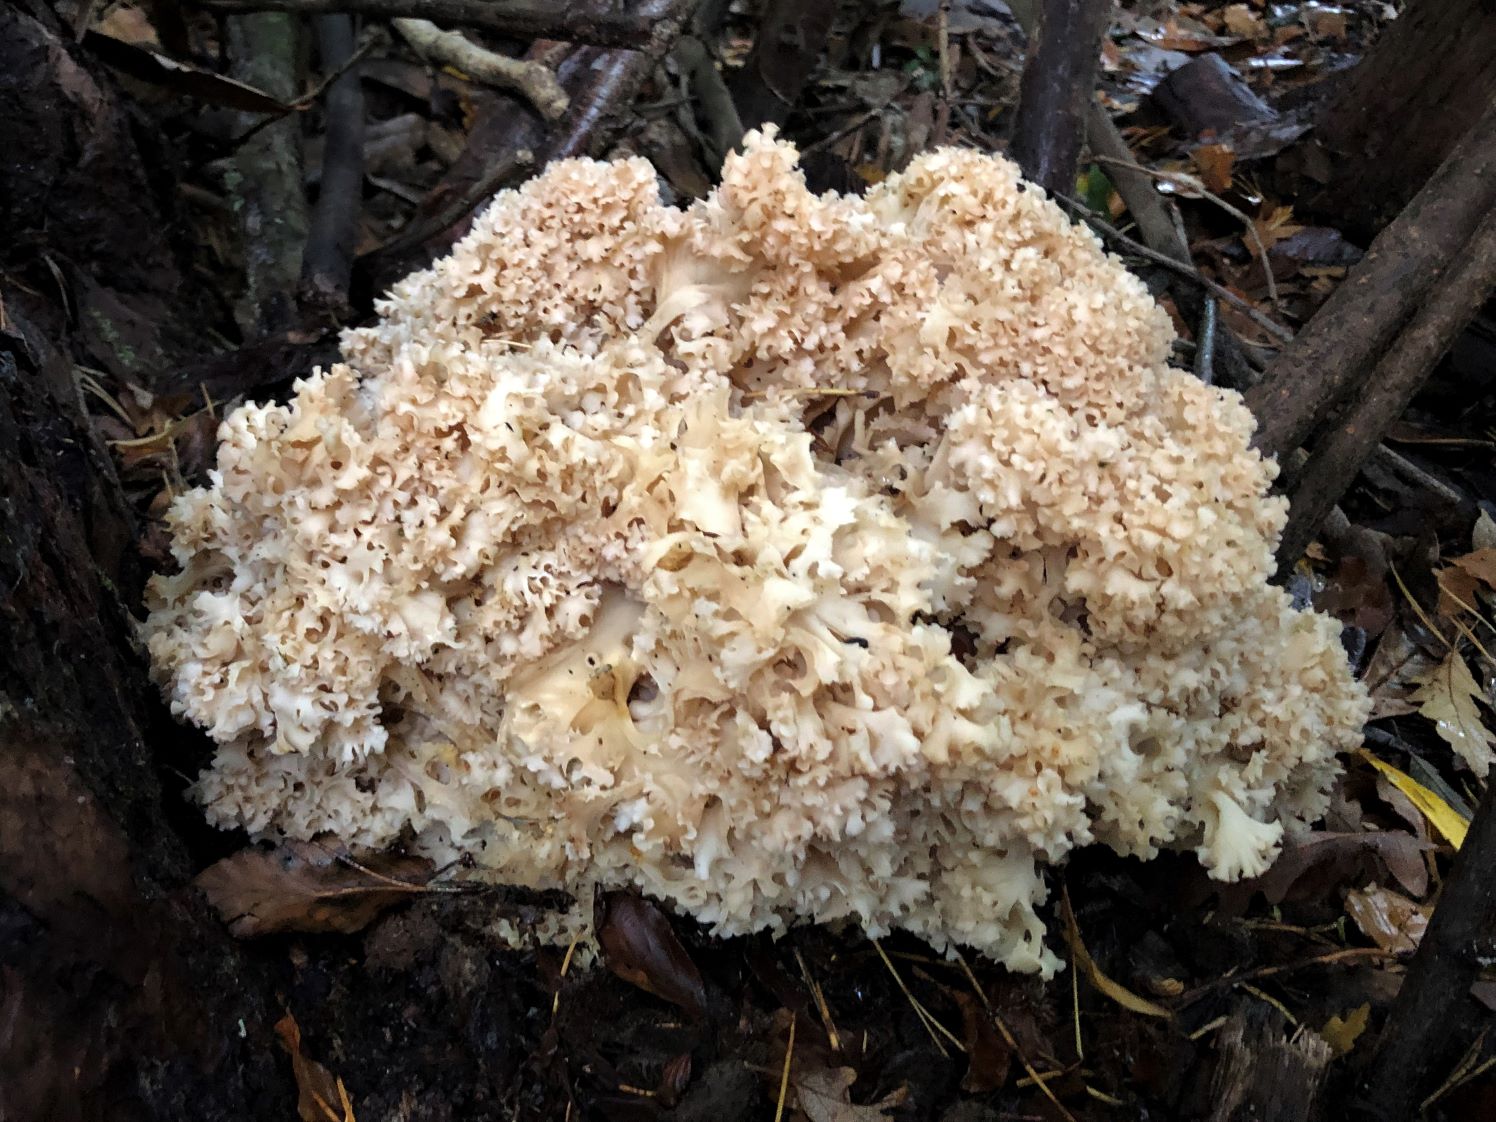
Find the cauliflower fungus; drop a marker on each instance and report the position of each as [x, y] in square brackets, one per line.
[786, 557]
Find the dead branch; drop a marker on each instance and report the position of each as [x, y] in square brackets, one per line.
[327, 263]
[1058, 86]
[1337, 457]
[1356, 325]
[263, 50]
[585, 23]
[449, 48]
[1434, 1009]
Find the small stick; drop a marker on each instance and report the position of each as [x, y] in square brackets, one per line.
[1205, 342]
[533, 79]
[327, 261]
[1251, 227]
[1183, 268]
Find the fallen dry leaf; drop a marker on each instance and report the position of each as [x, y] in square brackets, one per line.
[1389, 919]
[320, 1095]
[641, 947]
[306, 886]
[1443, 817]
[1214, 162]
[1481, 565]
[1341, 1032]
[1241, 20]
[1448, 698]
[823, 1096]
[1328, 851]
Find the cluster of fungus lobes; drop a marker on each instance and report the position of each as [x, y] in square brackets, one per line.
[787, 557]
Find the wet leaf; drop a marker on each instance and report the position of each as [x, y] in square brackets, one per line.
[988, 1055]
[641, 947]
[304, 886]
[1440, 814]
[320, 1095]
[1483, 536]
[1448, 698]
[1389, 919]
[823, 1094]
[1342, 1032]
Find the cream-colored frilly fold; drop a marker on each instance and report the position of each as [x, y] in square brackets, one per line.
[788, 557]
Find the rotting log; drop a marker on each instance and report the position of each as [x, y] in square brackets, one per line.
[1057, 89]
[1337, 349]
[1434, 1015]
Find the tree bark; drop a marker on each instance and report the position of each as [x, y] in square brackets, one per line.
[1337, 348]
[1056, 90]
[1434, 1012]
[1403, 108]
[120, 997]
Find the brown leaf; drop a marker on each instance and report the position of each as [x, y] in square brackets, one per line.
[823, 1095]
[1214, 163]
[988, 1055]
[1481, 565]
[320, 1095]
[1389, 919]
[181, 77]
[1324, 852]
[305, 886]
[641, 947]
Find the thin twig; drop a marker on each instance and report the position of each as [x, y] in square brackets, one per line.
[417, 232]
[1235, 212]
[1205, 342]
[1183, 268]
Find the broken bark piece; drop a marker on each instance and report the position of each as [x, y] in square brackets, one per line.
[1265, 1071]
[1206, 94]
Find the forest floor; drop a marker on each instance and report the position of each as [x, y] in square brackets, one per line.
[1179, 990]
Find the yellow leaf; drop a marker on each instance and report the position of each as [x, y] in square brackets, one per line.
[1447, 697]
[1440, 814]
[1340, 1033]
[1087, 965]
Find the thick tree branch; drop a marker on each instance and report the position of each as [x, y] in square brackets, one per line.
[522, 19]
[327, 264]
[1356, 325]
[1057, 89]
[1337, 456]
[1434, 1009]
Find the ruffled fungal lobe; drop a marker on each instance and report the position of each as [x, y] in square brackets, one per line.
[787, 557]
